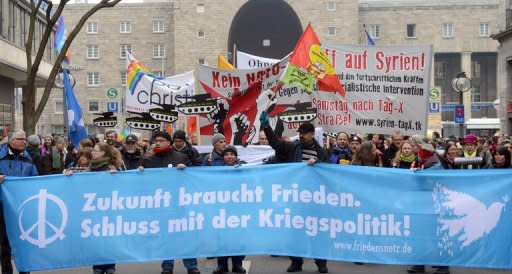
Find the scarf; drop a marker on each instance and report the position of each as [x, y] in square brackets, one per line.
[161, 151]
[100, 164]
[407, 159]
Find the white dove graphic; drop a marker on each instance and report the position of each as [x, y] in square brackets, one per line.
[466, 217]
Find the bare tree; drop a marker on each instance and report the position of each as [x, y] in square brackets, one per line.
[31, 112]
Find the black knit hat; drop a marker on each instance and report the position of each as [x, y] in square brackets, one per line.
[163, 134]
[306, 127]
[180, 134]
[230, 149]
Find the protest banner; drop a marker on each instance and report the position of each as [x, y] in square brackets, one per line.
[433, 217]
[386, 90]
[246, 60]
[145, 90]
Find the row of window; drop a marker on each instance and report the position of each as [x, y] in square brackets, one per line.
[93, 106]
[126, 27]
[93, 51]
[410, 31]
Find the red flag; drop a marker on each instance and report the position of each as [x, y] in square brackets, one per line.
[191, 125]
[309, 56]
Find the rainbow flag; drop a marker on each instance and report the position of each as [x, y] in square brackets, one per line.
[60, 38]
[123, 134]
[135, 71]
[223, 63]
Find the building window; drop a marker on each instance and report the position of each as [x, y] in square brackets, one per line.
[93, 79]
[484, 30]
[331, 6]
[374, 31]
[125, 27]
[447, 30]
[158, 51]
[58, 129]
[59, 107]
[201, 61]
[266, 42]
[94, 106]
[93, 52]
[200, 34]
[411, 31]
[158, 26]
[331, 31]
[92, 27]
[123, 78]
[124, 49]
[200, 8]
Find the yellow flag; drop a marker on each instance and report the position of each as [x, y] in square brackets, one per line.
[223, 63]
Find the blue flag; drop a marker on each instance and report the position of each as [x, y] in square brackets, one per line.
[76, 126]
[369, 40]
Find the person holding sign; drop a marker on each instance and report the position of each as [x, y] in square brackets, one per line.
[164, 156]
[306, 149]
[230, 156]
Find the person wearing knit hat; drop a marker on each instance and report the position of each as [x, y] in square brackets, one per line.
[181, 144]
[230, 158]
[165, 156]
[215, 157]
[471, 150]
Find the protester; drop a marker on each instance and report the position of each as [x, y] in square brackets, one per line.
[111, 139]
[164, 156]
[181, 144]
[340, 153]
[389, 155]
[448, 158]
[427, 158]
[354, 144]
[404, 156]
[47, 144]
[103, 158]
[33, 149]
[230, 156]
[14, 161]
[471, 149]
[501, 157]
[306, 149]
[262, 138]
[215, 158]
[54, 161]
[132, 155]
[367, 155]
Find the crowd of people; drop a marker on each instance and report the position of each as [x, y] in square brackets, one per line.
[32, 156]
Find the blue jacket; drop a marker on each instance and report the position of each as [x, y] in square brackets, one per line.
[217, 160]
[18, 166]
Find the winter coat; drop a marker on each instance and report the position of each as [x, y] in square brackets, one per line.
[194, 158]
[340, 154]
[131, 160]
[12, 165]
[163, 160]
[289, 152]
[217, 159]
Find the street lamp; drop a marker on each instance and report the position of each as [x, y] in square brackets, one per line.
[461, 83]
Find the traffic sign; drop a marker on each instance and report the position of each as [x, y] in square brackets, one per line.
[113, 106]
[459, 114]
[112, 93]
[434, 94]
[434, 107]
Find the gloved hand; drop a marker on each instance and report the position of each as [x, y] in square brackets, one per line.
[264, 119]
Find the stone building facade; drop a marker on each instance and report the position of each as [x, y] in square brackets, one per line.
[199, 30]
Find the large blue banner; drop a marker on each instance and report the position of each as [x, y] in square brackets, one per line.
[348, 213]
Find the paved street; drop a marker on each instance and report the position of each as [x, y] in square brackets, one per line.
[267, 265]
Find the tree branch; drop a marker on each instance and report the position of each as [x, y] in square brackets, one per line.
[49, 84]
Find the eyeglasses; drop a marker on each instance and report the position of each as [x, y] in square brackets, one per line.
[160, 140]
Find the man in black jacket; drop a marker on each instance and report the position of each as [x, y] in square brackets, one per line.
[164, 156]
[181, 144]
[132, 155]
[306, 149]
